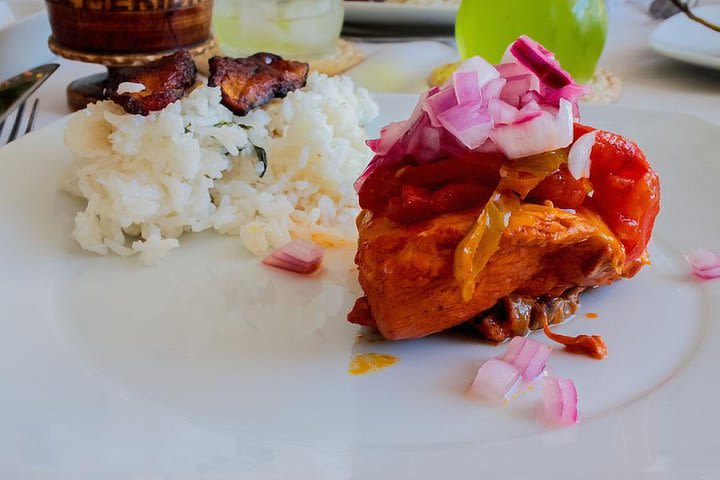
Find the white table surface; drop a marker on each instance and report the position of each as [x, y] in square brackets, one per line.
[650, 81]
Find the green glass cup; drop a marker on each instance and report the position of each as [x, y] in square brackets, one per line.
[298, 29]
[575, 30]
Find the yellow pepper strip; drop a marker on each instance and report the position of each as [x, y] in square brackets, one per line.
[474, 251]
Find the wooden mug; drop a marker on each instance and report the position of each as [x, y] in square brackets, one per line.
[129, 26]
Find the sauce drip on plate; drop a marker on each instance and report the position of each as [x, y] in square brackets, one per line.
[365, 363]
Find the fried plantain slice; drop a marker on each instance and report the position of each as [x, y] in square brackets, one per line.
[165, 81]
[251, 82]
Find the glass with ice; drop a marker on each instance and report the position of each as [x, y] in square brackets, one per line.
[297, 29]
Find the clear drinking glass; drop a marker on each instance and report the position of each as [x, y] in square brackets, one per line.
[297, 29]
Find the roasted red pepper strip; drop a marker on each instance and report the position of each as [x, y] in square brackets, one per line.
[626, 191]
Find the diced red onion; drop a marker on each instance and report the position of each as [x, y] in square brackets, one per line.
[487, 147]
[502, 113]
[526, 116]
[579, 156]
[471, 124]
[531, 106]
[492, 90]
[511, 69]
[467, 87]
[530, 97]
[559, 406]
[528, 112]
[425, 145]
[372, 166]
[438, 103]
[542, 133]
[484, 70]
[572, 93]
[541, 62]
[418, 110]
[496, 381]
[451, 145]
[519, 107]
[704, 263]
[528, 356]
[299, 256]
[389, 135]
[515, 88]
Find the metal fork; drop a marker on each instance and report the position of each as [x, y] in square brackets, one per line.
[17, 124]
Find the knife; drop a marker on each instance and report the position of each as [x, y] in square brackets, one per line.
[16, 90]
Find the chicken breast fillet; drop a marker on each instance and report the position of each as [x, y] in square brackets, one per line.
[406, 271]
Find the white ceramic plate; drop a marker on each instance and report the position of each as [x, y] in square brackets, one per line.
[23, 42]
[211, 366]
[397, 14]
[682, 39]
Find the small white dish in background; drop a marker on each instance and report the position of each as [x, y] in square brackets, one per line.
[24, 32]
[683, 39]
[399, 14]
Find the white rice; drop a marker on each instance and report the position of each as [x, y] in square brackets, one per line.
[193, 166]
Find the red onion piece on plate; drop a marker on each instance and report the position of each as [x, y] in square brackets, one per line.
[528, 356]
[298, 256]
[704, 263]
[559, 405]
[496, 382]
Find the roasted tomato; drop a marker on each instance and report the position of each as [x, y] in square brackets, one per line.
[378, 188]
[459, 196]
[562, 189]
[626, 191]
[415, 192]
[481, 168]
[419, 203]
[412, 205]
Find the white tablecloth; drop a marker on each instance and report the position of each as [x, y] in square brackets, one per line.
[650, 81]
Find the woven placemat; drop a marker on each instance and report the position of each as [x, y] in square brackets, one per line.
[605, 87]
[346, 56]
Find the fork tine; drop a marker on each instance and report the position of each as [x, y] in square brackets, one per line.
[16, 125]
[31, 120]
